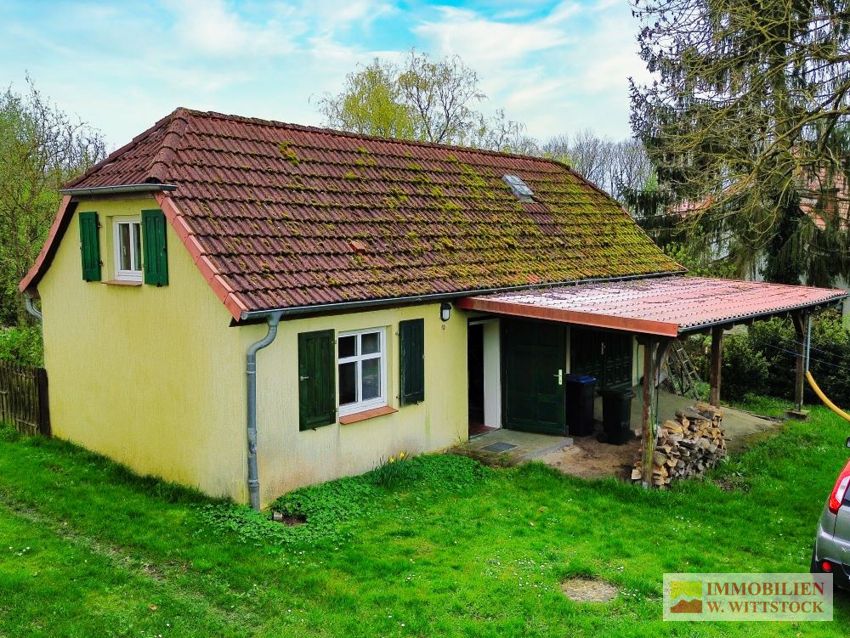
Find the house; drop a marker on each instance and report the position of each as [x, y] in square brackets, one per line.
[248, 306]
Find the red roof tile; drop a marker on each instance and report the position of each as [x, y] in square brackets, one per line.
[291, 216]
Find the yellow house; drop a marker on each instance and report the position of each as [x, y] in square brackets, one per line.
[247, 306]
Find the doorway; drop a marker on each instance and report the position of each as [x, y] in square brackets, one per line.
[533, 362]
[475, 365]
[604, 355]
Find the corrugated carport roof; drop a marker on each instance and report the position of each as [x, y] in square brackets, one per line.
[664, 306]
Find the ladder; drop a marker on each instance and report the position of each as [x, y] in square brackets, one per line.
[681, 371]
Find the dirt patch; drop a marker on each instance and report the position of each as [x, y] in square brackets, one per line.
[589, 458]
[289, 520]
[588, 590]
[490, 459]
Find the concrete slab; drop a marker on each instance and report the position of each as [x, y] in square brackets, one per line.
[587, 457]
[526, 445]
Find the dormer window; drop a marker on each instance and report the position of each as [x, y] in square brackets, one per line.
[128, 248]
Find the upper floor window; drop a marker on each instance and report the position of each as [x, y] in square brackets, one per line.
[128, 248]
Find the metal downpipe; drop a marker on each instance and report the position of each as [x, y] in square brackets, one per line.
[28, 304]
[251, 377]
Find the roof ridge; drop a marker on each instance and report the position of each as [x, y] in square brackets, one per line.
[177, 125]
[364, 136]
[138, 139]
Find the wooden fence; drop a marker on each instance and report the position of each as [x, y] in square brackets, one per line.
[23, 398]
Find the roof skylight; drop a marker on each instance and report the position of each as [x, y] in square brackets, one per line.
[519, 187]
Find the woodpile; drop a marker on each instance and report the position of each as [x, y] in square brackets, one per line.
[686, 446]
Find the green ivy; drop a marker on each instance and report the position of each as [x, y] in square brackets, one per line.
[332, 510]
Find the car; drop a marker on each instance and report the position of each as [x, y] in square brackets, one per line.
[831, 553]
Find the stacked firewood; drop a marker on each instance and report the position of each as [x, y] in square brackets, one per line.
[686, 446]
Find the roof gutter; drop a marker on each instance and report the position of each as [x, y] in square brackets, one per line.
[834, 301]
[344, 306]
[117, 190]
[251, 400]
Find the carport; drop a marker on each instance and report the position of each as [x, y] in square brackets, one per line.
[659, 310]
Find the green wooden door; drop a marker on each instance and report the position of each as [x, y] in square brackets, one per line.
[604, 355]
[533, 359]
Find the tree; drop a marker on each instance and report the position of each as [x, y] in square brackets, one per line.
[421, 100]
[42, 148]
[746, 109]
[372, 103]
[617, 167]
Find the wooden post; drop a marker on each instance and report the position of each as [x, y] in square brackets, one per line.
[654, 352]
[716, 364]
[647, 428]
[43, 403]
[801, 322]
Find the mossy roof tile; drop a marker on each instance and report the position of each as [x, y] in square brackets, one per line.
[275, 207]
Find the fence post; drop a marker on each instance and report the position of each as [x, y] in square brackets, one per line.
[43, 403]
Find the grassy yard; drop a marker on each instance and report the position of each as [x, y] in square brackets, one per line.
[441, 548]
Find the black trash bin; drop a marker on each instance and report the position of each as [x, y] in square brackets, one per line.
[617, 415]
[579, 399]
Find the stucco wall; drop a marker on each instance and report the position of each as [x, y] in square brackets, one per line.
[289, 458]
[154, 378]
[150, 377]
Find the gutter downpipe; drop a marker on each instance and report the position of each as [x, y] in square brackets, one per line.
[35, 312]
[251, 378]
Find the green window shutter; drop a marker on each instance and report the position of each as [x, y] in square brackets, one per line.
[90, 246]
[411, 337]
[155, 262]
[316, 379]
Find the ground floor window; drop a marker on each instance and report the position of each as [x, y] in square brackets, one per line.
[361, 357]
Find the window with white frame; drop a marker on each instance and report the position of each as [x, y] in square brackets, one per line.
[128, 248]
[362, 361]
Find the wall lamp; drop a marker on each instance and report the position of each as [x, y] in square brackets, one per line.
[445, 311]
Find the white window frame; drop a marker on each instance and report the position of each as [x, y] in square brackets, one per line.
[358, 358]
[120, 274]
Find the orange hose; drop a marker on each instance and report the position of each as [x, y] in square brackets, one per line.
[825, 398]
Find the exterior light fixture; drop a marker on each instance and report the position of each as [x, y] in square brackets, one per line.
[445, 311]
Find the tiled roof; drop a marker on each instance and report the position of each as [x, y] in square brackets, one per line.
[667, 306]
[288, 216]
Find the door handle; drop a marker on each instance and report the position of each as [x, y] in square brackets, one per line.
[559, 377]
[303, 378]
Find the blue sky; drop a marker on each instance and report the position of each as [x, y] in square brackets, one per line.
[557, 66]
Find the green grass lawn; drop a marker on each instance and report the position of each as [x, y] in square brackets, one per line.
[443, 548]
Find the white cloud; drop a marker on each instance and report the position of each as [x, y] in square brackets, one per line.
[211, 27]
[481, 40]
[558, 72]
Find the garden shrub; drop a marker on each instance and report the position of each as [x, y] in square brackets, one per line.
[763, 359]
[22, 346]
[745, 370]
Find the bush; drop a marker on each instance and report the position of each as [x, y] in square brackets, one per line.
[745, 370]
[22, 346]
[776, 340]
[763, 361]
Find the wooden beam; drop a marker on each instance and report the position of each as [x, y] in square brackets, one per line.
[801, 322]
[716, 364]
[654, 352]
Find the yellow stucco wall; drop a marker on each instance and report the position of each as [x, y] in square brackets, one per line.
[147, 376]
[289, 458]
[154, 378]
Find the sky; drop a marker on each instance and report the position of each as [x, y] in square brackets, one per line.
[559, 67]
